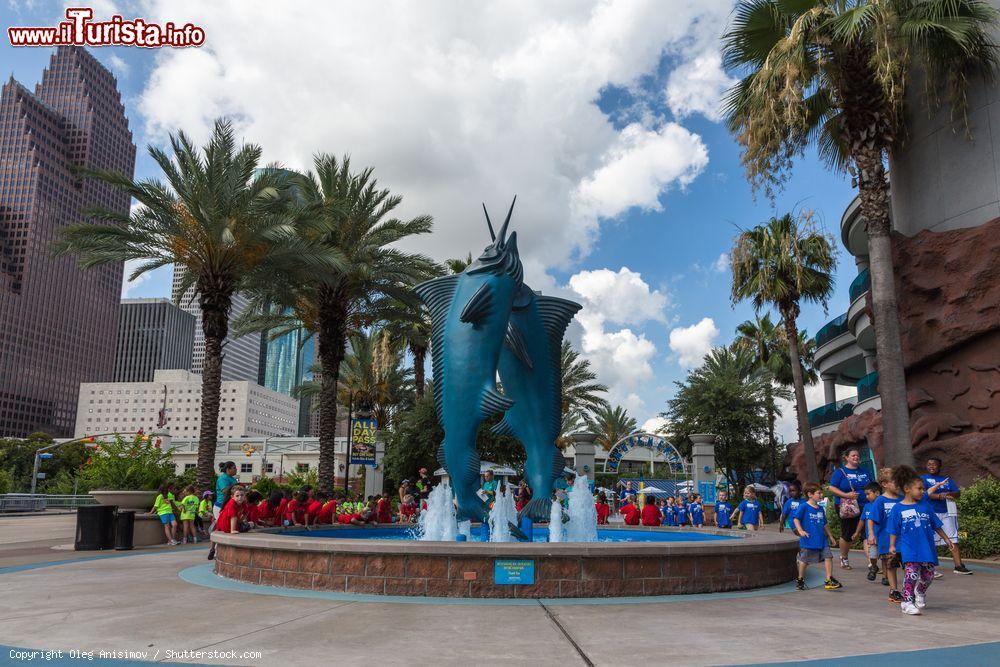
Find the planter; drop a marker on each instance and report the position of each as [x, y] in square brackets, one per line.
[126, 500]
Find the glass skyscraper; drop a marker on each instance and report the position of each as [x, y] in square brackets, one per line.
[287, 363]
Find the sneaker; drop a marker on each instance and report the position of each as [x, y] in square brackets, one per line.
[938, 575]
[872, 572]
[846, 564]
[173, 543]
[919, 600]
[910, 608]
[895, 597]
[832, 584]
[211, 554]
[885, 581]
[961, 569]
[800, 584]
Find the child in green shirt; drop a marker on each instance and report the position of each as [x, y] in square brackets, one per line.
[189, 512]
[164, 507]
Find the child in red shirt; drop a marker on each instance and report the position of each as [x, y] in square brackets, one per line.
[267, 511]
[651, 515]
[603, 509]
[313, 507]
[328, 512]
[630, 512]
[295, 511]
[253, 509]
[408, 509]
[231, 515]
[384, 509]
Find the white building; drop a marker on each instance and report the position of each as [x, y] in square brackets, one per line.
[246, 409]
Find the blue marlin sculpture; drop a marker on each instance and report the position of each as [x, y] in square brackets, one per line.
[469, 315]
[531, 376]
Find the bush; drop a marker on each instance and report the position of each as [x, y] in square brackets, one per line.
[979, 519]
[137, 465]
[6, 481]
[297, 480]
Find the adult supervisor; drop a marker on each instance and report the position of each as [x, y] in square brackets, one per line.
[940, 489]
[848, 483]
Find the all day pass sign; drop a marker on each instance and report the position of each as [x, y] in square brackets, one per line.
[363, 433]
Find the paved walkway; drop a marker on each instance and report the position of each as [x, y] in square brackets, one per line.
[138, 603]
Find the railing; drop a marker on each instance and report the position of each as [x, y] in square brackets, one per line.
[831, 412]
[860, 285]
[26, 502]
[831, 330]
[868, 386]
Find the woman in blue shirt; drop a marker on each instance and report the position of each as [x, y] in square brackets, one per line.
[848, 483]
[226, 480]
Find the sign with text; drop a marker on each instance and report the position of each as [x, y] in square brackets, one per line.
[510, 571]
[363, 441]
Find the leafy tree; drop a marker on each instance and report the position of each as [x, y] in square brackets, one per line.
[610, 425]
[781, 263]
[412, 330]
[213, 220]
[413, 441]
[759, 338]
[726, 395]
[837, 74]
[580, 390]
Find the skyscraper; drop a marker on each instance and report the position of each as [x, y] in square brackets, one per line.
[59, 322]
[287, 362]
[153, 334]
[240, 356]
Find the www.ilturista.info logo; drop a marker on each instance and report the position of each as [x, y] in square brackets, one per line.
[80, 30]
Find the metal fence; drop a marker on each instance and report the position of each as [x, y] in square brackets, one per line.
[26, 502]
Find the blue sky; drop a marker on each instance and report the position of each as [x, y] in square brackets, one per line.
[603, 120]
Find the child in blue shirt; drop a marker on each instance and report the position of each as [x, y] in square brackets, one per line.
[815, 538]
[790, 507]
[872, 491]
[723, 510]
[912, 525]
[749, 514]
[669, 519]
[697, 511]
[680, 511]
[877, 524]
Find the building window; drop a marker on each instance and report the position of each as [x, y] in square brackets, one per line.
[302, 467]
[246, 467]
[189, 466]
[268, 467]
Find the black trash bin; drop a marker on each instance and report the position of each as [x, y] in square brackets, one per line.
[95, 527]
[124, 530]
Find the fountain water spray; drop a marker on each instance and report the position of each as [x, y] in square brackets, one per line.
[437, 522]
[555, 522]
[582, 525]
[503, 515]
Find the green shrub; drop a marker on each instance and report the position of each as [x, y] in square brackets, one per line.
[297, 479]
[267, 485]
[136, 465]
[6, 481]
[979, 519]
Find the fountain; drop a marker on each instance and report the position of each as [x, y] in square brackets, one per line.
[437, 523]
[556, 522]
[503, 515]
[582, 524]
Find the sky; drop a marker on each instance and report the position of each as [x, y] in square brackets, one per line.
[602, 117]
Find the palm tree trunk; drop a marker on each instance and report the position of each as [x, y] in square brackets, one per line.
[215, 307]
[419, 355]
[801, 410]
[330, 348]
[772, 442]
[874, 196]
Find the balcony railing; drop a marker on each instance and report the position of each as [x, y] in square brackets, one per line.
[860, 285]
[831, 330]
[831, 412]
[868, 386]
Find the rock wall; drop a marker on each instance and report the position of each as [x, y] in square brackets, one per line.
[949, 297]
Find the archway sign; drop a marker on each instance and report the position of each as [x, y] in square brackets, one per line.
[648, 441]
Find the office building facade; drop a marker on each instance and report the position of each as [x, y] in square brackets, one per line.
[153, 334]
[59, 322]
[286, 364]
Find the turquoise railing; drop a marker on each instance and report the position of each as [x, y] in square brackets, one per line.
[831, 412]
[831, 330]
[860, 285]
[868, 386]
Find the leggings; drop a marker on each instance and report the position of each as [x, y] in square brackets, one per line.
[917, 578]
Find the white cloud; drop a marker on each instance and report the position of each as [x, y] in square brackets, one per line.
[698, 86]
[128, 286]
[654, 424]
[721, 264]
[453, 103]
[622, 297]
[692, 343]
[119, 65]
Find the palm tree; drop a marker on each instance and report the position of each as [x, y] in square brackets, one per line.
[781, 263]
[610, 425]
[350, 217]
[836, 73]
[759, 338]
[458, 265]
[214, 220]
[373, 377]
[782, 365]
[579, 389]
[412, 329]
[572, 421]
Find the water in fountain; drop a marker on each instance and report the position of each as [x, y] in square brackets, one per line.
[465, 528]
[502, 515]
[555, 522]
[582, 525]
[438, 521]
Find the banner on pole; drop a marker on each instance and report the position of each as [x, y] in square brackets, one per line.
[363, 441]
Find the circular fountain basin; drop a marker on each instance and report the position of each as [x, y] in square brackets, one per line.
[632, 561]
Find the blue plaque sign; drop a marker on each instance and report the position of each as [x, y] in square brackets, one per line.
[509, 571]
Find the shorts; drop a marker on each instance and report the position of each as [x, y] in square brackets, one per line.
[814, 555]
[873, 551]
[849, 526]
[891, 561]
[167, 518]
[187, 517]
[950, 528]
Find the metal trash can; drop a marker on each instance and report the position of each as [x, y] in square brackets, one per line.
[124, 530]
[95, 528]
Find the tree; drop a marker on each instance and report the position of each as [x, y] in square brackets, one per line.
[610, 425]
[579, 389]
[836, 73]
[759, 338]
[373, 378]
[726, 395]
[413, 441]
[412, 329]
[347, 214]
[214, 220]
[781, 263]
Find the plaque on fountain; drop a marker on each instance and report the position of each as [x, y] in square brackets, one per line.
[513, 571]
